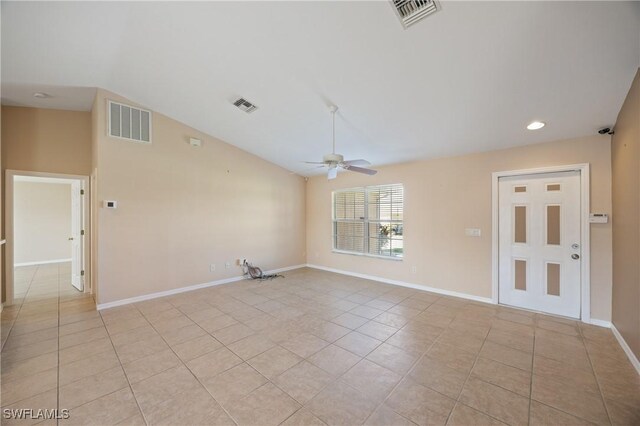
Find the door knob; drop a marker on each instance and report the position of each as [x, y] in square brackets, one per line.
[575, 256]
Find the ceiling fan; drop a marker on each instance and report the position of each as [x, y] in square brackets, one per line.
[334, 161]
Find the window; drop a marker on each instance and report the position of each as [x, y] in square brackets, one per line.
[369, 220]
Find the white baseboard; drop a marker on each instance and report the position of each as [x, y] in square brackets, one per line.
[406, 284]
[599, 323]
[41, 262]
[632, 357]
[158, 294]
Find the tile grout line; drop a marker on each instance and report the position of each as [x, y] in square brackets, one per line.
[438, 339]
[533, 359]
[123, 372]
[22, 301]
[184, 364]
[475, 361]
[601, 394]
[58, 352]
[405, 375]
[556, 408]
[57, 349]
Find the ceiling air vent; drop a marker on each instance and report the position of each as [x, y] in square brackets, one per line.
[411, 11]
[245, 105]
[131, 123]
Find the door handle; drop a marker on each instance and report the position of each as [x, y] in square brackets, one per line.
[575, 256]
[70, 238]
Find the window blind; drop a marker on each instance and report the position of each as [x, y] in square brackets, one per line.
[369, 220]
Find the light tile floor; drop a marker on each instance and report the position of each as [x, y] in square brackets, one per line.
[313, 348]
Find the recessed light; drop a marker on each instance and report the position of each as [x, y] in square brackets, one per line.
[41, 95]
[535, 125]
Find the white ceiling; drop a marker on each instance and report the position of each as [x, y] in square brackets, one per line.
[62, 97]
[466, 79]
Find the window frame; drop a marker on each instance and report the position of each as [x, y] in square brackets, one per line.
[366, 222]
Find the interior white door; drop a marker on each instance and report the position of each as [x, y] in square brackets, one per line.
[539, 244]
[76, 238]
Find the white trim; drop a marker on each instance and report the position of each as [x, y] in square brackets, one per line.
[42, 262]
[585, 229]
[285, 269]
[600, 323]
[10, 176]
[404, 284]
[632, 357]
[41, 180]
[375, 256]
[158, 294]
[596, 322]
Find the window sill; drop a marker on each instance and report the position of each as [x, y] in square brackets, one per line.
[395, 259]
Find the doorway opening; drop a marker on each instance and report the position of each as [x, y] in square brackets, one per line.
[47, 235]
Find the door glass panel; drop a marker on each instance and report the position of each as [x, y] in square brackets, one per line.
[553, 187]
[519, 189]
[553, 225]
[520, 278]
[553, 279]
[520, 221]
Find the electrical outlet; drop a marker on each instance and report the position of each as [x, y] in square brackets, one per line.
[414, 269]
[227, 265]
[241, 261]
[212, 267]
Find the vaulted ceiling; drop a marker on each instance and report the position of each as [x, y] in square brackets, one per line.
[468, 78]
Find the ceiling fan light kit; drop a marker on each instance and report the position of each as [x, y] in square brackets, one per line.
[334, 161]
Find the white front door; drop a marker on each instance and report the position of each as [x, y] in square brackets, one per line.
[540, 245]
[76, 238]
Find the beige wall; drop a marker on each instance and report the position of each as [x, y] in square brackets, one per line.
[46, 140]
[182, 208]
[625, 161]
[445, 196]
[42, 222]
[94, 207]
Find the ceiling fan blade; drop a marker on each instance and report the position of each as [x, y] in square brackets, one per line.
[356, 163]
[361, 170]
[313, 162]
[332, 173]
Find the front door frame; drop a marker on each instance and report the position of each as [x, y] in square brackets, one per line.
[9, 220]
[585, 267]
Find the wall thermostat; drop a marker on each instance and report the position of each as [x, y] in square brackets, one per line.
[598, 218]
[110, 204]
